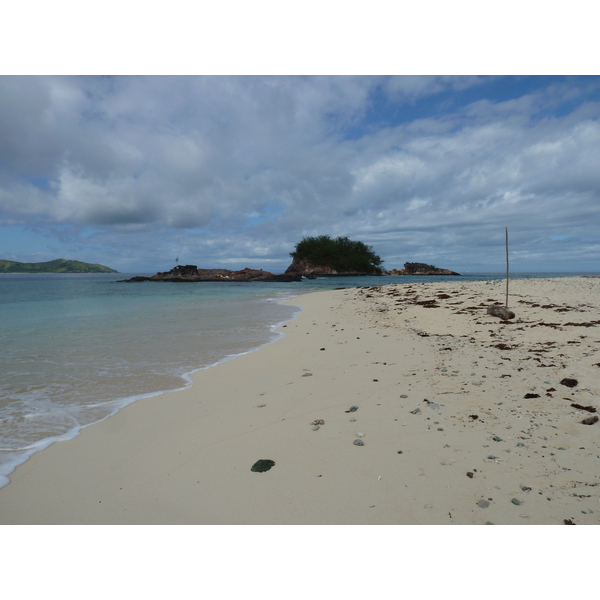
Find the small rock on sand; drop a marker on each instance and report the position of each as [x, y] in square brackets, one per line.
[262, 465]
[500, 311]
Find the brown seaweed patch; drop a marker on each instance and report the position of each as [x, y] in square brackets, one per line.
[428, 303]
[504, 347]
[588, 408]
[569, 382]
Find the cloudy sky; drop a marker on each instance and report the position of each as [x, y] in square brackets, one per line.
[231, 171]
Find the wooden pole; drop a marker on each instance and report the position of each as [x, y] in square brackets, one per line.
[506, 306]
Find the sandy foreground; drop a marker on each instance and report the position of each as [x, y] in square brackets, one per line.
[462, 416]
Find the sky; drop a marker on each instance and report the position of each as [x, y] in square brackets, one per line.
[232, 171]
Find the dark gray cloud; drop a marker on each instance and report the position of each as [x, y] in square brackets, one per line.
[235, 170]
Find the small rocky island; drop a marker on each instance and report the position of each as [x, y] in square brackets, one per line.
[313, 257]
[191, 273]
[421, 269]
[323, 256]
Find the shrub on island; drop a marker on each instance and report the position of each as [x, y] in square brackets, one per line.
[323, 255]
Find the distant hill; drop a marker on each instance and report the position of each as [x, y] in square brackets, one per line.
[60, 265]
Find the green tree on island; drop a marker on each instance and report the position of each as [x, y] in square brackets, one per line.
[341, 253]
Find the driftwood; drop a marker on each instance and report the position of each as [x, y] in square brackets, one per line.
[500, 311]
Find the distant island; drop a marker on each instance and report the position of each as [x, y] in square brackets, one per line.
[60, 265]
[326, 257]
[313, 257]
[191, 273]
[421, 269]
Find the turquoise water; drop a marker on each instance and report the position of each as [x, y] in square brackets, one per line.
[75, 348]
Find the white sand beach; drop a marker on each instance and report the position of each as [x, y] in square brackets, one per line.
[462, 417]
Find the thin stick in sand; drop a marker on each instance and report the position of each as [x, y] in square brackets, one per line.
[506, 305]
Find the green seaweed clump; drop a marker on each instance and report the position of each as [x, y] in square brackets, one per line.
[262, 465]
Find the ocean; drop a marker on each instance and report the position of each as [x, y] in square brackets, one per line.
[75, 348]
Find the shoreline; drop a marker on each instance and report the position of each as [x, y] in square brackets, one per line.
[185, 456]
[9, 467]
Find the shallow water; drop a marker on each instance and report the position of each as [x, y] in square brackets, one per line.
[76, 348]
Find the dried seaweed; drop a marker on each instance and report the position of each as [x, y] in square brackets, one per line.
[569, 382]
[588, 408]
[588, 324]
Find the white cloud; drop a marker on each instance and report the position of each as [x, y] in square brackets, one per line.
[231, 167]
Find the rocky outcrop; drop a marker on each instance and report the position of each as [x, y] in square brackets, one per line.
[191, 273]
[306, 269]
[421, 269]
